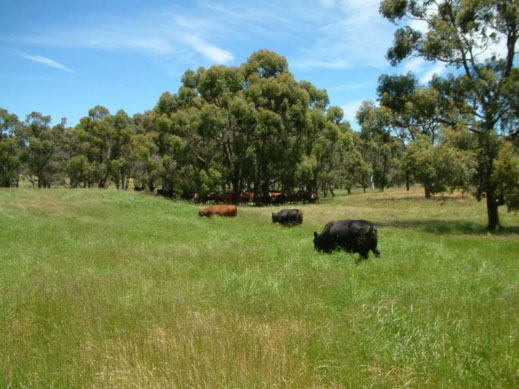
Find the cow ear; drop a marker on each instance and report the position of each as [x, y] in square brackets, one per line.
[315, 234]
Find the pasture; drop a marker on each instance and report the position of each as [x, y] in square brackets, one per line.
[109, 289]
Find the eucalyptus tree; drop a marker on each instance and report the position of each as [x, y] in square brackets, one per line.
[227, 120]
[120, 165]
[188, 145]
[104, 140]
[329, 150]
[437, 167]
[10, 149]
[380, 142]
[479, 39]
[251, 127]
[290, 116]
[41, 144]
[97, 134]
[240, 128]
[146, 161]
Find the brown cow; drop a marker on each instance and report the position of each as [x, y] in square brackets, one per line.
[245, 197]
[225, 197]
[222, 210]
[277, 197]
[314, 197]
[304, 196]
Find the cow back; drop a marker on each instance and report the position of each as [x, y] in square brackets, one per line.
[222, 210]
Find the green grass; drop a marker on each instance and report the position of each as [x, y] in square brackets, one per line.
[110, 289]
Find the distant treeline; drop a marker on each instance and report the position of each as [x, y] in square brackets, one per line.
[254, 128]
[249, 128]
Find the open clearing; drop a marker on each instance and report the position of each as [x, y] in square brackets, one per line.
[113, 289]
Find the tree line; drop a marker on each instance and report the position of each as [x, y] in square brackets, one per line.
[251, 127]
[255, 128]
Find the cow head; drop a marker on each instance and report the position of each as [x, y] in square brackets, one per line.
[204, 212]
[274, 217]
[362, 238]
[317, 243]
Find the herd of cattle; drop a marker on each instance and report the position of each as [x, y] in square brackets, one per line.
[271, 198]
[354, 236]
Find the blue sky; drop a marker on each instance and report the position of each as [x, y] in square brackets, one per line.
[63, 57]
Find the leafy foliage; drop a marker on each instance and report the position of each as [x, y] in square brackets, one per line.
[464, 34]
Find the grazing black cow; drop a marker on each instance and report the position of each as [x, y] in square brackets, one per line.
[354, 236]
[289, 217]
[166, 192]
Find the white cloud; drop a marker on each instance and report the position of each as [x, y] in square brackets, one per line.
[352, 34]
[213, 53]
[437, 69]
[314, 63]
[418, 25]
[327, 34]
[414, 65]
[46, 61]
[350, 109]
[164, 34]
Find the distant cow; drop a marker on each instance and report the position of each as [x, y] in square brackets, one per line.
[354, 236]
[277, 197]
[288, 217]
[304, 196]
[245, 197]
[166, 192]
[222, 210]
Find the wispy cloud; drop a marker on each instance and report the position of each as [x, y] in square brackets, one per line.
[354, 34]
[164, 34]
[438, 69]
[213, 53]
[350, 109]
[45, 61]
[327, 34]
[306, 63]
[414, 65]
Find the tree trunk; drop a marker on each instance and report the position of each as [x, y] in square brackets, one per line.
[427, 192]
[493, 213]
[383, 183]
[407, 184]
[236, 190]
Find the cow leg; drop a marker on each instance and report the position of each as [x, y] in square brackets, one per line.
[364, 253]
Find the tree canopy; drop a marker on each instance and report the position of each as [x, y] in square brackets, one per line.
[478, 96]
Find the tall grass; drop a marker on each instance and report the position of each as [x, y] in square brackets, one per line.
[109, 289]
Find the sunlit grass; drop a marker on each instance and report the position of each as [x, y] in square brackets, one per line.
[109, 289]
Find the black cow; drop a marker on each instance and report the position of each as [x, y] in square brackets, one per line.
[354, 236]
[166, 192]
[289, 217]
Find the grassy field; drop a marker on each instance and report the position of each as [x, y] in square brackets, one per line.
[108, 289]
